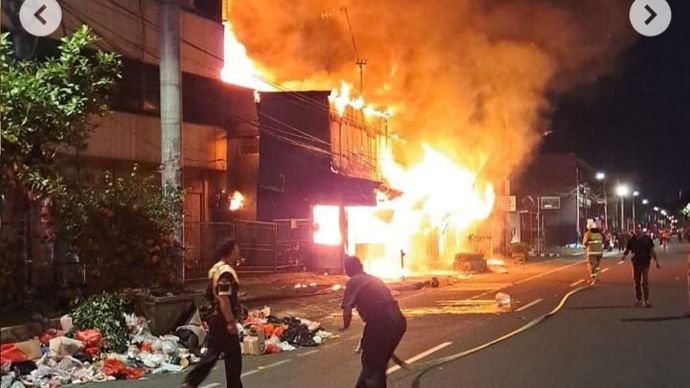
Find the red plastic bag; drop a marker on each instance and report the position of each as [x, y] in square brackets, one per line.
[90, 337]
[278, 331]
[114, 367]
[92, 351]
[272, 348]
[49, 335]
[12, 353]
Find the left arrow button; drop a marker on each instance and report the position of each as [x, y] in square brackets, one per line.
[40, 17]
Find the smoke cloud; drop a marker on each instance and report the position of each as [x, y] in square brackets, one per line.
[469, 77]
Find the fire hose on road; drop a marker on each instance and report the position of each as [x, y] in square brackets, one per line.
[429, 365]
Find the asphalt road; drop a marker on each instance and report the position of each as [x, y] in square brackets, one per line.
[599, 338]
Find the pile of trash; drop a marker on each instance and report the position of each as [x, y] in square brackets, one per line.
[60, 357]
[66, 356]
[263, 333]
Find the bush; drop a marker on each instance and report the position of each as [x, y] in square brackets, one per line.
[122, 230]
[104, 312]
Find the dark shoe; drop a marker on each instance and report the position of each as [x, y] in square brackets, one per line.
[646, 304]
[638, 303]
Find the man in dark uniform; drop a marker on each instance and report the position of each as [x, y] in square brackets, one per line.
[223, 286]
[384, 322]
[642, 248]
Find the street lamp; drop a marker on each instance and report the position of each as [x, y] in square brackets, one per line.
[645, 202]
[622, 191]
[602, 177]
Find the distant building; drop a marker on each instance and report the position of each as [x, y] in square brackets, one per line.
[556, 195]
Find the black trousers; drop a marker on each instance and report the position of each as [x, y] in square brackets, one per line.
[641, 277]
[381, 336]
[219, 341]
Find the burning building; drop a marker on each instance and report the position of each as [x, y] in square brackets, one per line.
[464, 109]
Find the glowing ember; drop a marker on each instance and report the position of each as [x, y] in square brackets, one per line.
[236, 201]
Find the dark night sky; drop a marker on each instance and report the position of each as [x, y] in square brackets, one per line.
[636, 120]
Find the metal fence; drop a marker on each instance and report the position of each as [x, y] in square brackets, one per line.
[264, 245]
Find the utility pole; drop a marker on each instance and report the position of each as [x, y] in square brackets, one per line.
[361, 62]
[171, 110]
[606, 208]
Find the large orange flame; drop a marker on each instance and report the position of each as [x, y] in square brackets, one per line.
[440, 203]
[238, 68]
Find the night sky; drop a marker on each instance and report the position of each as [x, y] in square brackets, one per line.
[634, 123]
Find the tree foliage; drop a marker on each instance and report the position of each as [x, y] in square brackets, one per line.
[121, 228]
[49, 105]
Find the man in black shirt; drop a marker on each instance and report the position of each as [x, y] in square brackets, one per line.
[223, 288]
[384, 322]
[642, 248]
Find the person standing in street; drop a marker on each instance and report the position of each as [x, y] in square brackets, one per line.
[223, 288]
[642, 248]
[594, 245]
[384, 326]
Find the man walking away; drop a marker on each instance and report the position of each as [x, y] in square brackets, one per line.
[384, 323]
[642, 248]
[594, 244]
[223, 288]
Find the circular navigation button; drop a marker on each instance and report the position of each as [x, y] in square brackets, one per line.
[40, 17]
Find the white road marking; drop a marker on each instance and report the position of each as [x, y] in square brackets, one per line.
[307, 353]
[605, 269]
[210, 385]
[419, 356]
[548, 273]
[251, 372]
[577, 282]
[528, 305]
[528, 279]
[260, 368]
[620, 262]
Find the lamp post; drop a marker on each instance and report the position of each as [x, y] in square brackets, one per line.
[622, 191]
[634, 194]
[645, 202]
[602, 177]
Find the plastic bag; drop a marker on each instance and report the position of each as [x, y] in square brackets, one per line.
[152, 360]
[62, 346]
[11, 353]
[50, 334]
[91, 338]
[66, 323]
[503, 300]
[272, 348]
[118, 369]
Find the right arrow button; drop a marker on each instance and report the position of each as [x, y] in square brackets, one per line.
[652, 14]
[650, 17]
